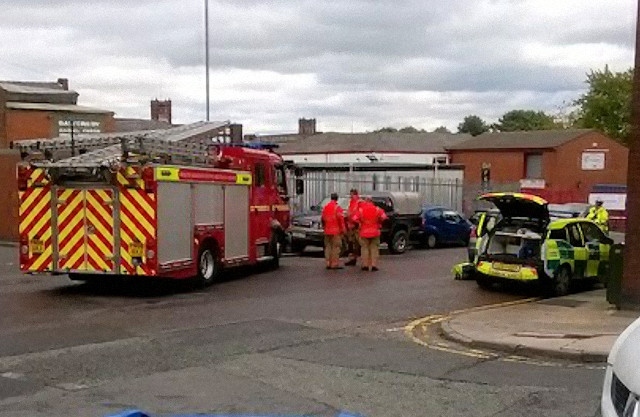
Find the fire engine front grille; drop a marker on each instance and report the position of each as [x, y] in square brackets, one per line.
[619, 395]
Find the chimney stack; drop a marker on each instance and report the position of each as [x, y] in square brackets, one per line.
[64, 83]
[161, 110]
[306, 126]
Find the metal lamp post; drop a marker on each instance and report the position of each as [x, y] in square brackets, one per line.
[206, 51]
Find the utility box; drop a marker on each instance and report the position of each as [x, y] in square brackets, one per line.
[614, 282]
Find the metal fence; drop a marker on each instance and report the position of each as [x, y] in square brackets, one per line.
[446, 191]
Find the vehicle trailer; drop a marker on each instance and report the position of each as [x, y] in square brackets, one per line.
[154, 208]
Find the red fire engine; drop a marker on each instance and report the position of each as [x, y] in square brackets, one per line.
[175, 204]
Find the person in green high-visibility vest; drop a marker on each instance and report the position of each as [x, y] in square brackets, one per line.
[599, 215]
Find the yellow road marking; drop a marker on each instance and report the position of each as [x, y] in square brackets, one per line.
[421, 326]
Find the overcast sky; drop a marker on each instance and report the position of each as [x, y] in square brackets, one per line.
[351, 64]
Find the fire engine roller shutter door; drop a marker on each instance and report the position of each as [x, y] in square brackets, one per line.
[174, 221]
[208, 200]
[236, 220]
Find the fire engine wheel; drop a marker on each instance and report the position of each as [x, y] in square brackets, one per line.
[275, 250]
[209, 267]
[399, 242]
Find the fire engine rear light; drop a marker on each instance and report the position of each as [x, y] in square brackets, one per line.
[149, 180]
[151, 254]
[24, 249]
[473, 232]
[22, 173]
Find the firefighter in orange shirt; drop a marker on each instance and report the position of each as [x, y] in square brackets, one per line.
[370, 217]
[353, 241]
[333, 224]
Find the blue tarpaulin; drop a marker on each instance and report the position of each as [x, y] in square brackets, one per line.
[137, 413]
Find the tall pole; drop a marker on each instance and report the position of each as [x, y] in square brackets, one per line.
[206, 50]
[630, 296]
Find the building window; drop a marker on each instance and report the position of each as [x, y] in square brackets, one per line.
[533, 165]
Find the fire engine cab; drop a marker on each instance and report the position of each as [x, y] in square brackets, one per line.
[179, 203]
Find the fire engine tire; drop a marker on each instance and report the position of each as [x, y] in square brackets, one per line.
[209, 266]
[275, 249]
[399, 242]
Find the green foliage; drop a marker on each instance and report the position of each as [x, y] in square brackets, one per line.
[473, 125]
[441, 129]
[606, 106]
[515, 120]
[407, 129]
[386, 130]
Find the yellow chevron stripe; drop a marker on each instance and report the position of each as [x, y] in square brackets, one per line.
[45, 200]
[68, 244]
[125, 258]
[98, 206]
[129, 222]
[64, 233]
[135, 230]
[38, 193]
[141, 201]
[98, 258]
[42, 222]
[39, 264]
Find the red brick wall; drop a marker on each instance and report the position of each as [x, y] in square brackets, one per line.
[561, 168]
[567, 173]
[32, 124]
[22, 124]
[506, 166]
[8, 195]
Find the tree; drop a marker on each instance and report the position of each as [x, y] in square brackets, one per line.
[441, 129]
[386, 130]
[606, 106]
[515, 120]
[411, 129]
[473, 125]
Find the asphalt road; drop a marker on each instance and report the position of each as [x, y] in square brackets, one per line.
[301, 340]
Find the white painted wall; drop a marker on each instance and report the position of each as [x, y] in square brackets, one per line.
[400, 158]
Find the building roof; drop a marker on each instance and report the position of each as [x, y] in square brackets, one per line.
[131, 125]
[380, 142]
[26, 87]
[70, 108]
[37, 92]
[537, 139]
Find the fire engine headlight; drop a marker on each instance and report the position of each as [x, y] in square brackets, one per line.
[150, 254]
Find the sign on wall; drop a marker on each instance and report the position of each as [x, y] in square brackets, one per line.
[610, 201]
[65, 127]
[593, 161]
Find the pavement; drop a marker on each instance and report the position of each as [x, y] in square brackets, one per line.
[580, 327]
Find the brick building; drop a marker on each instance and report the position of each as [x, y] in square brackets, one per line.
[560, 165]
[37, 110]
[33, 110]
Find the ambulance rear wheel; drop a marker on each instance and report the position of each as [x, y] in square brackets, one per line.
[561, 283]
[209, 266]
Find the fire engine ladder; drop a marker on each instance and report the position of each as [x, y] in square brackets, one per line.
[187, 146]
[103, 148]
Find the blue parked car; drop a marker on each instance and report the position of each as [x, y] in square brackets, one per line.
[444, 226]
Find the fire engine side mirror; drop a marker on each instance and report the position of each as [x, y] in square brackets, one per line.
[299, 186]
